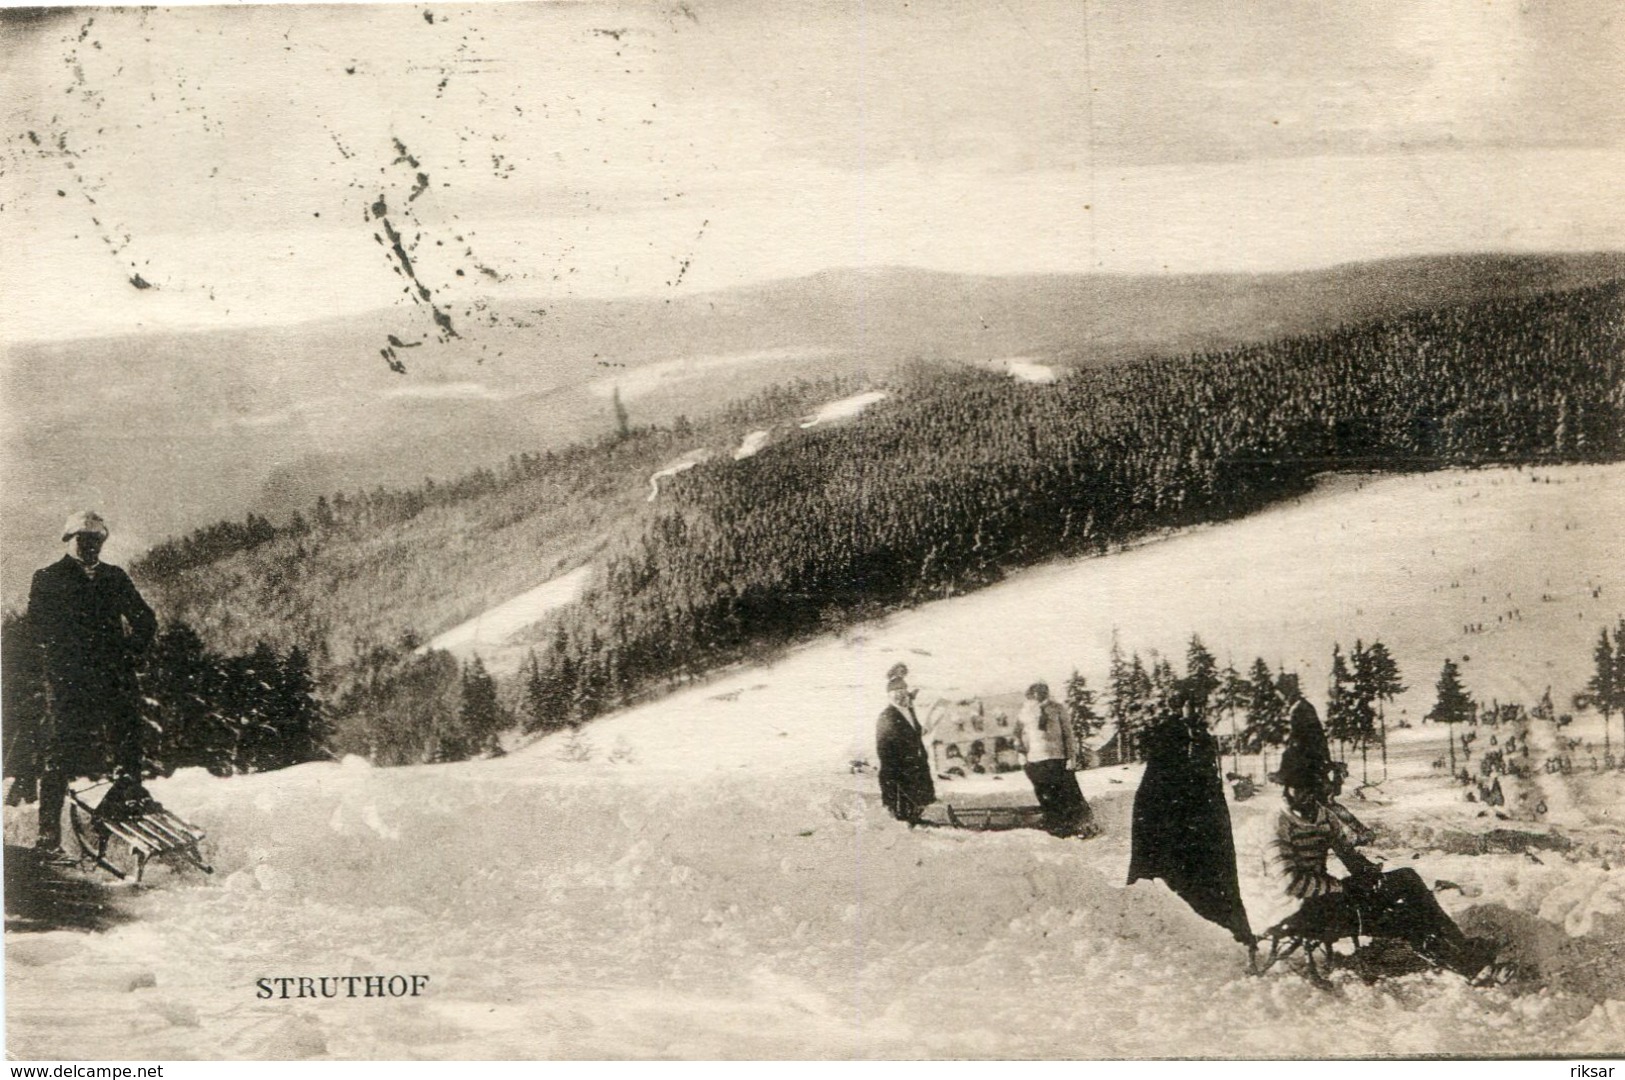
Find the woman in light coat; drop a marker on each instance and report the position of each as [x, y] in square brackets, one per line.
[1044, 734]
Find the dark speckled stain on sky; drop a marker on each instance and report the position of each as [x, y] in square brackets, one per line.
[423, 240]
[420, 292]
[71, 139]
[35, 16]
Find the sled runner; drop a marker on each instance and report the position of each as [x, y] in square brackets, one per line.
[1322, 921]
[140, 826]
[1317, 928]
[1004, 818]
[994, 818]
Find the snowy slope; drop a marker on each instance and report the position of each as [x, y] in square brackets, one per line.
[703, 876]
[486, 634]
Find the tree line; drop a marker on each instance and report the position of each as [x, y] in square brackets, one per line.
[227, 713]
[965, 475]
[956, 479]
[405, 706]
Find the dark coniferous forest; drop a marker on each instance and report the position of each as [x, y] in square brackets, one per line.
[957, 478]
[968, 475]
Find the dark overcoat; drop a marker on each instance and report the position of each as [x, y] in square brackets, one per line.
[905, 770]
[91, 630]
[1309, 757]
[1181, 830]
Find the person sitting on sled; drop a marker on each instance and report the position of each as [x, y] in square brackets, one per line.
[1393, 904]
[92, 626]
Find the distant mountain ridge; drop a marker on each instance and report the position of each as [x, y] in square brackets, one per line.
[166, 432]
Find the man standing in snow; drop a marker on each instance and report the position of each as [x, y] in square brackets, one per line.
[1304, 729]
[91, 625]
[1044, 733]
[905, 769]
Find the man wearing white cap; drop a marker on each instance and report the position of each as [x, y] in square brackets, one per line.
[93, 626]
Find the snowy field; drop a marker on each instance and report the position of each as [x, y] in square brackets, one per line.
[704, 876]
[486, 634]
[1025, 369]
[844, 409]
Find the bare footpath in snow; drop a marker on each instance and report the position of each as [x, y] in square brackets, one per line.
[704, 876]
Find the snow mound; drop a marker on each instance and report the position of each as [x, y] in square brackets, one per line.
[1026, 369]
[844, 408]
[1585, 895]
[577, 910]
[752, 445]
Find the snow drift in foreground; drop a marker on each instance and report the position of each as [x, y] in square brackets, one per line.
[580, 914]
[703, 876]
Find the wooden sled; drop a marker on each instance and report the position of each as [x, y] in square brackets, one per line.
[1004, 818]
[994, 818]
[1317, 927]
[154, 833]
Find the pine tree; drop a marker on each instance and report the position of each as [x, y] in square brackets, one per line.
[1376, 678]
[1266, 714]
[1201, 677]
[1602, 688]
[1453, 705]
[1120, 705]
[538, 706]
[1619, 669]
[591, 678]
[1158, 687]
[1342, 724]
[22, 700]
[189, 684]
[1232, 695]
[300, 719]
[1080, 706]
[481, 716]
[248, 701]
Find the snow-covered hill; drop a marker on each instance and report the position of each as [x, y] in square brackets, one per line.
[704, 875]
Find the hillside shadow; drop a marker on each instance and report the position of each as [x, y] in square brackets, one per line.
[40, 897]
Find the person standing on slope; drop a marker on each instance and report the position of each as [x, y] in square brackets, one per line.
[905, 769]
[1044, 733]
[92, 626]
[1304, 729]
[1181, 825]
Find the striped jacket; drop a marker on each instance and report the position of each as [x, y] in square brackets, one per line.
[1301, 845]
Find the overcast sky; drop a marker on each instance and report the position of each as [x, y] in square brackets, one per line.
[232, 166]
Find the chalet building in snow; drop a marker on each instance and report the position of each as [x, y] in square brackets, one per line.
[974, 737]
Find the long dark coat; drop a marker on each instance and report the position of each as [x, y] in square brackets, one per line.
[91, 629]
[1305, 729]
[1182, 825]
[905, 770]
